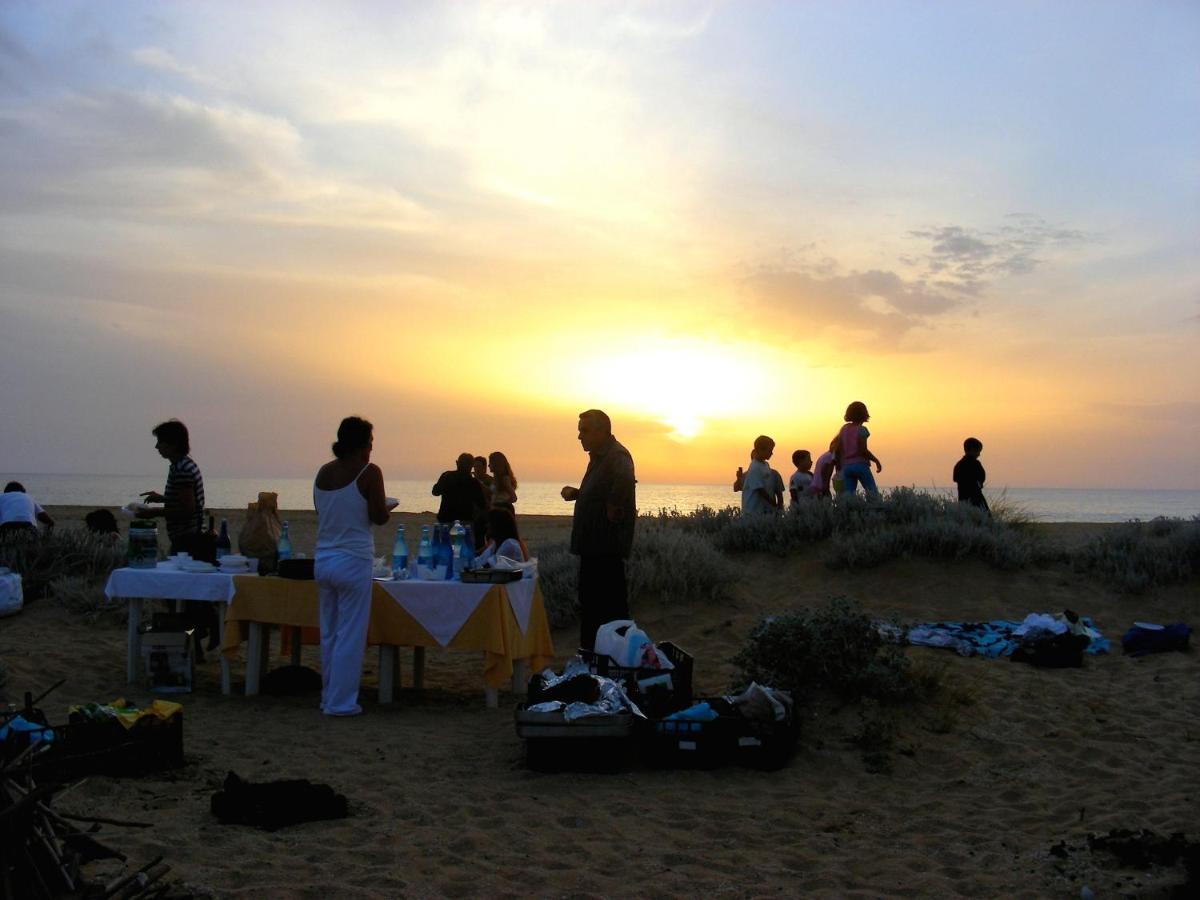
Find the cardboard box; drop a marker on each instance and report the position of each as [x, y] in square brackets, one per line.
[168, 661]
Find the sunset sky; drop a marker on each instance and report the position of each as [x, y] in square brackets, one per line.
[470, 221]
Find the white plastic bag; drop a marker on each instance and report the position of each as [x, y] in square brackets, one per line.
[12, 599]
[621, 640]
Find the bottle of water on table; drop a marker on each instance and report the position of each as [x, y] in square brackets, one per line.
[283, 547]
[424, 554]
[400, 556]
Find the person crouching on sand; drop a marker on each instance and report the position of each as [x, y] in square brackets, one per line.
[349, 497]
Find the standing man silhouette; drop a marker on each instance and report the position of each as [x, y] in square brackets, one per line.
[602, 528]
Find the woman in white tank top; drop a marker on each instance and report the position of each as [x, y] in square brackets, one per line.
[349, 497]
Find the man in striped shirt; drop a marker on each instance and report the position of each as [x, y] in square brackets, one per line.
[183, 497]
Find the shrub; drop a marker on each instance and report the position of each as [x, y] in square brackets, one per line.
[81, 594]
[665, 562]
[1139, 555]
[59, 553]
[866, 532]
[837, 647]
[558, 574]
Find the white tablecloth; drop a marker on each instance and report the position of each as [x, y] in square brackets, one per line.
[169, 583]
[443, 607]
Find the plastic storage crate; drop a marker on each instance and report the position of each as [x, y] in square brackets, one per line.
[657, 692]
[593, 743]
[727, 739]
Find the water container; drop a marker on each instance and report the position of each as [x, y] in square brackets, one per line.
[142, 549]
[622, 641]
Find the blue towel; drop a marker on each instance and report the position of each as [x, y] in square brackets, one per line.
[990, 639]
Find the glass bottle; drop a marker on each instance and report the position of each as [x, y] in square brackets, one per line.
[283, 547]
[224, 545]
[399, 556]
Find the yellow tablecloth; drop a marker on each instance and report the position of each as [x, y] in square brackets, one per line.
[492, 628]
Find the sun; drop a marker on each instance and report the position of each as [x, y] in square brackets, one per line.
[678, 382]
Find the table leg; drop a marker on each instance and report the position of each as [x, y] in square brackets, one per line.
[295, 645]
[389, 669]
[491, 697]
[520, 679]
[134, 659]
[254, 653]
[226, 687]
[418, 668]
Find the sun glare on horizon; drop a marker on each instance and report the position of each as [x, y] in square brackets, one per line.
[682, 383]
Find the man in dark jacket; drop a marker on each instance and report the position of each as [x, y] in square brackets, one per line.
[462, 496]
[602, 529]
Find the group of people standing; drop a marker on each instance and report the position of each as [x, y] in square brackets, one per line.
[469, 494]
[349, 497]
[841, 469]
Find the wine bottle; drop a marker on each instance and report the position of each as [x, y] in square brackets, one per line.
[224, 545]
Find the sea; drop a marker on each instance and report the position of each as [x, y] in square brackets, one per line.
[542, 497]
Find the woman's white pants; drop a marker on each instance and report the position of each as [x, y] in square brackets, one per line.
[344, 587]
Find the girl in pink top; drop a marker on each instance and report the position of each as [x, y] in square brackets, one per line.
[855, 458]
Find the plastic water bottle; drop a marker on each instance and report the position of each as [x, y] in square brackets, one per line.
[400, 556]
[468, 549]
[457, 538]
[446, 555]
[435, 554]
[283, 547]
[424, 553]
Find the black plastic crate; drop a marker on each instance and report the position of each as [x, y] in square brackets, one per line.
[590, 744]
[727, 739]
[658, 692]
[85, 747]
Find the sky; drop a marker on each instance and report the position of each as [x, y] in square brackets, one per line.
[470, 221]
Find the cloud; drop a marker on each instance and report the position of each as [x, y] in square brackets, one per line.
[874, 304]
[642, 26]
[965, 260]
[956, 266]
[161, 60]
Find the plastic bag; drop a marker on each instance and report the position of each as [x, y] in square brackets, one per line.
[11, 596]
[622, 641]
[260, 534]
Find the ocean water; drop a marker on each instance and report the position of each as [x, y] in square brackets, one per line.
[542, 498]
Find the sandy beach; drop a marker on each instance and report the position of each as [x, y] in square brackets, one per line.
[982, 786]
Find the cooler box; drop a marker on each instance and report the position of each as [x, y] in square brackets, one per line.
[168, 661]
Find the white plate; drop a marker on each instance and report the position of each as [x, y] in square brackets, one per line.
[197, 568]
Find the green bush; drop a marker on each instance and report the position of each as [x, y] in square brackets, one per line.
[665, 562]
[866, 532]
[60, 553]
[1139, 555]
[837, 648]
[558, 575]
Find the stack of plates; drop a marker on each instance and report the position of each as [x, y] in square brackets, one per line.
[233, 564]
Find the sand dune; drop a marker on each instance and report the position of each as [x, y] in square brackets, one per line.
[977, 795]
